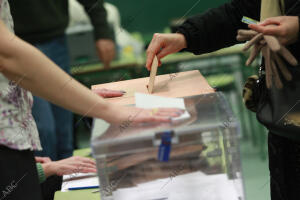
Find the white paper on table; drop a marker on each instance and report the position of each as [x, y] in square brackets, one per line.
[150, 101]
[137, 193]
[191, 186]
[84, 181]
[211, 187]
[78, 175]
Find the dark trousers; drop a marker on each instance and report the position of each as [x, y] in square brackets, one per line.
[18, 175]
[50, 186]
[55, 124]
[284, 165]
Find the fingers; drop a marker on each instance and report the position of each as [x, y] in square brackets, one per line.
[169, 112]
[67, 169]
[271, 21]
[109, 93]
[47, 159]
[84, 160]
[254, 40]
[286, 54]
[106, 56]
[150, 57]
[88, 170]
[276, 79]
[249, 33]
[266, 54]
[272, 42]
[83, 165]
[245, 35]
[164, 44]
[77, 161]
[243, 38]
[154, 47]
[254, 53]
[166, 114]
[286, 73]
[75, 164]
[155, 115]
[164, 52]
[267, 30]
[106, 51]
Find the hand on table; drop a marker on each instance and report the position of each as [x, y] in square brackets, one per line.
[164, 44]
[105, 93]
[106, 51]
[42, 159]
[75, 164]
[286, 28]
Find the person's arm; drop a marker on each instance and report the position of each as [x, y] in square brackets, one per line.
[217, 28]
[29, 68]
[104, 34]
[97, 14]
[207, 32]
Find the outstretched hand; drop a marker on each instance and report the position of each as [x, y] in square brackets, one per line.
[285, 28]
[163, 45]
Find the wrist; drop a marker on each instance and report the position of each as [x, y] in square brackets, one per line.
[182, 40]
[48, 169]
[41, 172]
[108, 112]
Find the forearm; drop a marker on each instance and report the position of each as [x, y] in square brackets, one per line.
[98, 15]
[30, 69]
[217, 28]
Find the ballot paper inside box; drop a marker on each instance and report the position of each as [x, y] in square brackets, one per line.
[152, 161]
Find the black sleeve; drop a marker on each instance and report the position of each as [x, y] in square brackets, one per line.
[217, 28]
[97, 14]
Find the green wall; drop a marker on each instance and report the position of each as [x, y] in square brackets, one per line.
[149, 16]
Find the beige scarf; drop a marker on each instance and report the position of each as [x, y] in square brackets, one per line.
[271, 8]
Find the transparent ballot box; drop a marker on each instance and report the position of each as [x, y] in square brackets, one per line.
[196, 158]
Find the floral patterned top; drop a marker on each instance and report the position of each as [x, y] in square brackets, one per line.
[17, 126]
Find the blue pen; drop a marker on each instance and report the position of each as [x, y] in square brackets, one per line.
[83, 188]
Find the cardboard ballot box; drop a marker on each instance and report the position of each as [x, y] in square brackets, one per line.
[196, 158]
[181, 84]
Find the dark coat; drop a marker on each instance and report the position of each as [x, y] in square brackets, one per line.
[217, 28]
